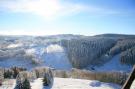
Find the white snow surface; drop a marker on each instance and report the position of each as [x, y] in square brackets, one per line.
[8, 84]
[67, 83]
[14, 45]
[54, 48]
[133, 85]
[56, 57]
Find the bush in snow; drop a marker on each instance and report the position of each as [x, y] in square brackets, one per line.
[22, 80]
[26, 84]
[48, 78]
[18, 85]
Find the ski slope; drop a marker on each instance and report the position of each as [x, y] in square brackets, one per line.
[56, 57]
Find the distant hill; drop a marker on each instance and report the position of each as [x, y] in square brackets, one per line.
[115, 35]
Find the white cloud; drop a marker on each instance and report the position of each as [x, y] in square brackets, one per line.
[51, 8]
[46, 8]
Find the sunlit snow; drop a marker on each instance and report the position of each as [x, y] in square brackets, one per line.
[14, 45]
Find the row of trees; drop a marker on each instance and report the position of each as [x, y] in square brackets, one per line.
[12, 72]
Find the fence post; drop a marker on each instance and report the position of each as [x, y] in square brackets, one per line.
[129, 80]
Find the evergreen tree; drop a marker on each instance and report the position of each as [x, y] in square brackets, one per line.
[23, 85]
[19, 86]
[45, 80]
[26, 84]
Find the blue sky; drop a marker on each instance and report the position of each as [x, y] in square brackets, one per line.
[48, 17]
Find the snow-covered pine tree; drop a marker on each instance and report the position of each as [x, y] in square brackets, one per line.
[18, 85]
[26, 84]
[45, 83]
[48, 78]
[22, 84]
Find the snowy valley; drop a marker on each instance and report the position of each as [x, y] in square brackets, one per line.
[77, 62]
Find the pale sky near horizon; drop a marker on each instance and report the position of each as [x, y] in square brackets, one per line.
[48, 17]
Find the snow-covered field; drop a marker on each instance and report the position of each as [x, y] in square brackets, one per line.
[68, 83]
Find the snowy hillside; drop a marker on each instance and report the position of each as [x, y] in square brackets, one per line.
[52, 55]
[67, 83]
[112, 65]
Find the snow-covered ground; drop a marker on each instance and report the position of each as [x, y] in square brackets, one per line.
[133, 85]
[113, 65]
[68, 83]
[8, 84]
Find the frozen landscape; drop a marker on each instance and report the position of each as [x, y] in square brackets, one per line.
[94, 56]
[32, 52]
[67, 44]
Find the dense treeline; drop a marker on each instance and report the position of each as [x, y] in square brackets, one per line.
[128, 56]
[83, 52]
[122, 45]
[111, 76]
